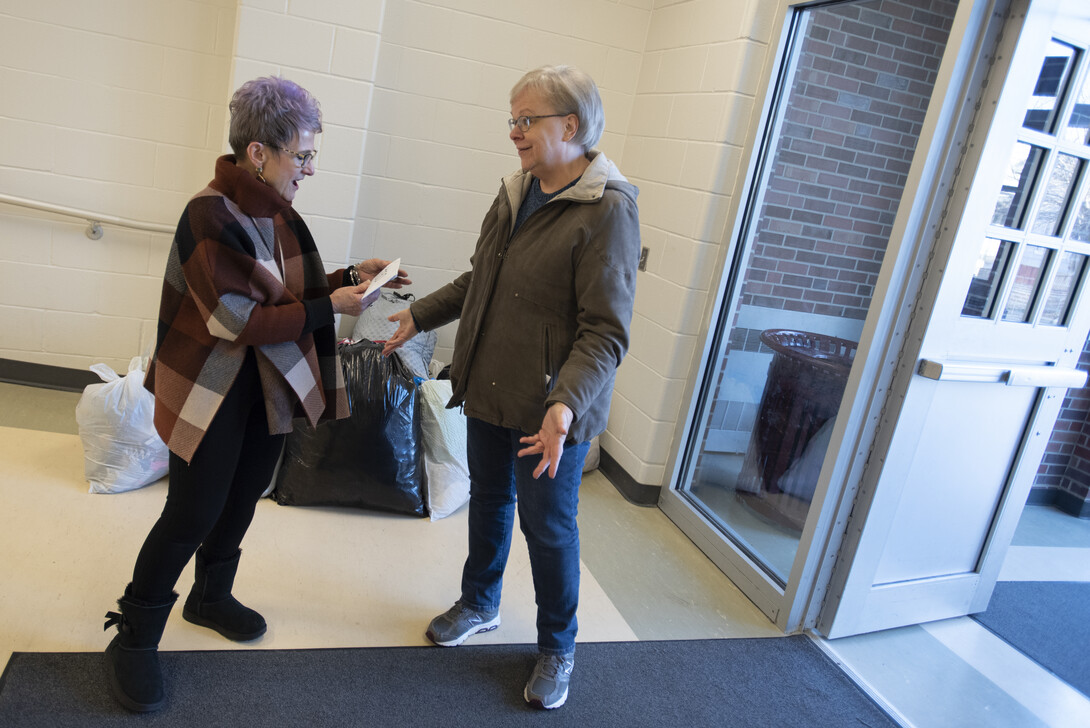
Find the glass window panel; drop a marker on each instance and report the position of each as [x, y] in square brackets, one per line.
[1054, 202]
[1051, 84]
[994, 258]
[1078, 125]
[1058, 303]
[750, 475]
[1010, 208]
[1081, 229]
[1027, 281]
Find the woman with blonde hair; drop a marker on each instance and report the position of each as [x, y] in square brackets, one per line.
[544, 317]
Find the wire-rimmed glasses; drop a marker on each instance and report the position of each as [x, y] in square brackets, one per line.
[303, 158]
[524, 122]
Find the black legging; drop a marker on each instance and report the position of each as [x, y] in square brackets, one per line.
[211, 500]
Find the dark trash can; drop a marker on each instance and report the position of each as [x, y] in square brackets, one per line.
[802, 393]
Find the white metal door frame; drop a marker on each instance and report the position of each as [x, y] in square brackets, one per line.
[732, 561]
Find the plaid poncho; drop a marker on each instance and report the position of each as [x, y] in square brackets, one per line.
[241, 264]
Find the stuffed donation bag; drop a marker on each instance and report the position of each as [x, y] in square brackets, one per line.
[372, 459]
[121, 449]
[444, 449]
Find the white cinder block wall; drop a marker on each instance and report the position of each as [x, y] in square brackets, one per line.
[330, 47]
[119, 106]
[438, 141]
[700, 70]
[112, 106]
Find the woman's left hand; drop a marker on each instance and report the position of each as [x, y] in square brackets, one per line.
[371, 267]
[549, 441]
[406, 329]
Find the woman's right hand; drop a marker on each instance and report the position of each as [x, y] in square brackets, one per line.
[349, 299]
[406, 329]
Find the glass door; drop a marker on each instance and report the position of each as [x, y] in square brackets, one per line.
[847, 111]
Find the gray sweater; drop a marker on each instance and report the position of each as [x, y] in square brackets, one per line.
[545, 313]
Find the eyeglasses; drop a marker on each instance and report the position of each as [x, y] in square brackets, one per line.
[303, 158]
[524, 122]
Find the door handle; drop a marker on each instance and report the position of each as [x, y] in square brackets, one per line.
[1046, 377]
[1012, 376]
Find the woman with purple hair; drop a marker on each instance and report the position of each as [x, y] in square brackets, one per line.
[245, 344]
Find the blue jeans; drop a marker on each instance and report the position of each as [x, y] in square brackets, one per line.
[547, 509]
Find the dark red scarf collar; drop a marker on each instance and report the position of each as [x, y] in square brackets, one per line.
[245, 190]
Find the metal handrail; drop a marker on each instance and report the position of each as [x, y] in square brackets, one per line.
[94, 219]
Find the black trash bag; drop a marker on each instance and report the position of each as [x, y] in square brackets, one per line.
[372, 459]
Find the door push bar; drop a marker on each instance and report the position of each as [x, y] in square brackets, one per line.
[1012, 376]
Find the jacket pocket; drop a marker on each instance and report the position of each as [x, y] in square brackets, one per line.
[547, 358]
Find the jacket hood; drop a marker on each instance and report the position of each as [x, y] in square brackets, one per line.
[590, 187]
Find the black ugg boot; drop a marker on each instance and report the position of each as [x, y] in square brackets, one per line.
[211, 605]
[132, 657]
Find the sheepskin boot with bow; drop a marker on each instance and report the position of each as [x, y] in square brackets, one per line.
[132, 657]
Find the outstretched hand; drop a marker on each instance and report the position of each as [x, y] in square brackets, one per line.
[549, 440]
[406, 329]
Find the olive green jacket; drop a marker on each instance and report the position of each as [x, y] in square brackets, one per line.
[545, 313]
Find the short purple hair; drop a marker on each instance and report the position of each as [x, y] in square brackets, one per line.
[271, 110]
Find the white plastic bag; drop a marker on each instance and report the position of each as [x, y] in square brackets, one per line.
[594, 456]
[444, 434]
[121, 449]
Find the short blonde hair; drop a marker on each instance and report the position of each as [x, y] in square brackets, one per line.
[569, 91]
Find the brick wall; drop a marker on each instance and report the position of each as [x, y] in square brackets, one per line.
[1064, 475]
[859, 96]
[850, 126]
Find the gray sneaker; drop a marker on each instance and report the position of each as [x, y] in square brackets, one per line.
[548, 683]
[451, 628]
